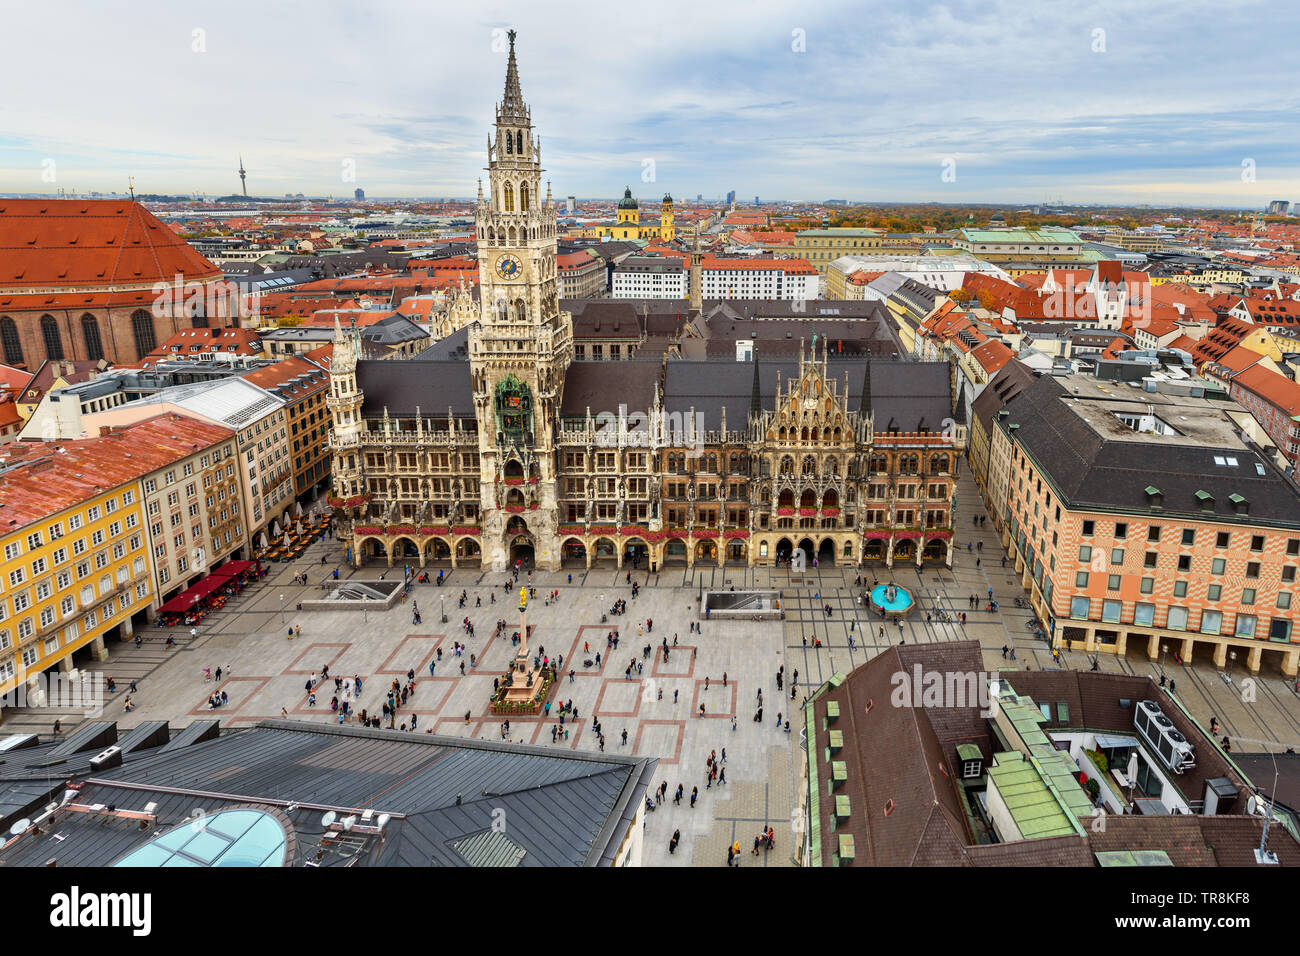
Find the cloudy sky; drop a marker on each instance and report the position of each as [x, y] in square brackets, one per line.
[999, 101]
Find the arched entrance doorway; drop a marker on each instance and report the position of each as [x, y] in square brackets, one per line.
[439, 553]
[573, 554]
[874, 550]
[806, 546]
[675, 552]
[783, 549]
[468, 553]
[826, 553]
[603, 554]
[904, 550]
[521, 551]
[636, 553]
[706, 552]
[737, 551]
[935, 551]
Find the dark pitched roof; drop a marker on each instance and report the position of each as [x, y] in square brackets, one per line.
[431, 385]
[1011, 380]
[1112, 468]
[907, 396]
[603, 386]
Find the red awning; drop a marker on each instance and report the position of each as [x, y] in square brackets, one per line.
[232, 568]
[193, 595]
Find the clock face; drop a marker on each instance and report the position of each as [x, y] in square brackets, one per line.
[508, 267]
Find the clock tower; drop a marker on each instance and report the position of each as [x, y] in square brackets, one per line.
[521, 346]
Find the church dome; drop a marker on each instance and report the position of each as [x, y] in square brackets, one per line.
[627, 202]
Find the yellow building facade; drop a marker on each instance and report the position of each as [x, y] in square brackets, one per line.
[628, 223]
[70, 579]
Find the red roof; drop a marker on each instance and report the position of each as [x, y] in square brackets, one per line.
[1278, 390]
[58, 475]
[91, 244]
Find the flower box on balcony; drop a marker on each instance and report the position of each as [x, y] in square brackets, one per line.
[785, 511]
[938, 534]
[808, 512]
[514, 481]
[515, 509]
[678, 533]
[736, 533]
[876, 535]
[906, 535]
[368, 529]
[401, 529]
[570, 529]
[653, 536]
[629, 530]
[533, 506]
[704, 533]
[532, 480]
[602, 529]
[465, 529]
[831, 512]
[434, 529]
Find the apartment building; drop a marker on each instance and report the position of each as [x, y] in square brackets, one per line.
[192, 505]
[261, 425]
[75, 544]
[582, 275]
[821, 247]
[754, 278]
[304, 386]
[1147, 518]
[650, 277]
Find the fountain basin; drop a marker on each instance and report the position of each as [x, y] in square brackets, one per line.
[900, 602]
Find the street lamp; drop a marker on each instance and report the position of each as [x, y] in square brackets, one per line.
[1232, 656]
[1164, 649]
[281, 608]
[442, 604]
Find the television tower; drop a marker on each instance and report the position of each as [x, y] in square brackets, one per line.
[242, 182]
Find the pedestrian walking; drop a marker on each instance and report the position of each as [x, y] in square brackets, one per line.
[695, 792]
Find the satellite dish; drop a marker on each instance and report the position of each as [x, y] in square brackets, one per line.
[349, 823]
[328, 819]
[20, 827]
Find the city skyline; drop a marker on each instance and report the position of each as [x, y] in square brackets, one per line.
[751, 99]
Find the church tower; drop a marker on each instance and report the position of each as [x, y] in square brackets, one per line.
[629, 213]
[667, 232]
[521, 347]
[344, 403]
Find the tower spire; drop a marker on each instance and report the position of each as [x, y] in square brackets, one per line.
[512, 103]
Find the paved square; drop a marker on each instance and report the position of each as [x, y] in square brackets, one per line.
[264, 671]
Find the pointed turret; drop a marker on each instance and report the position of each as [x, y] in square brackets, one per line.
[512, 102]
[756, 394]
[865, 406]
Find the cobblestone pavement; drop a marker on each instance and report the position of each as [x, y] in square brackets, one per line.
[264, 671]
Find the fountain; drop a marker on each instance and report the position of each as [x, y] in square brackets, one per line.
[891, 599]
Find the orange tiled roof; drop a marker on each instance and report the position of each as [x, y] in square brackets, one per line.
[91, 244]
[53, 476]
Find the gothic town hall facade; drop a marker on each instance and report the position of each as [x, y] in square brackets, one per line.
[506, 449]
